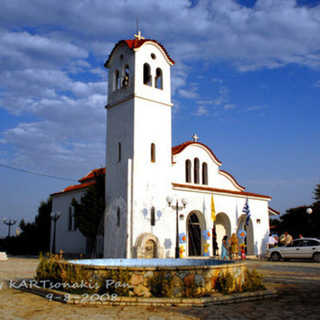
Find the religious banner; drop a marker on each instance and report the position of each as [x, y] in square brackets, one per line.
[206, 249]
[242, 234]
[206, 236]
[182, 238]
[213, 210]
[181, 251]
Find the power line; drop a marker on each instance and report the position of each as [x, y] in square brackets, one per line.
[35, 173]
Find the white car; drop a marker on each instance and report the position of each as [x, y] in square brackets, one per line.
[304, 248]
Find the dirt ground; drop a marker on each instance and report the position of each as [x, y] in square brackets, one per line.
[298, 285]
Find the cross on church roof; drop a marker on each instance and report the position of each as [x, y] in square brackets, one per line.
[195, 138]
[138, 36]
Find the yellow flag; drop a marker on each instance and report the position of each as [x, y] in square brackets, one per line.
[213, 211]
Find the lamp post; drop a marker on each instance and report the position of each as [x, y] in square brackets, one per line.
[9, 223]
[177, 207]
[54, 217]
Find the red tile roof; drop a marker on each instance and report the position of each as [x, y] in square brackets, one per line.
[241, 193]
[274, 211]
[85, 182]
[74, 187]
[134, 44]
[92, 174]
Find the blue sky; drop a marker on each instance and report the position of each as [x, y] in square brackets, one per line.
[246, 80]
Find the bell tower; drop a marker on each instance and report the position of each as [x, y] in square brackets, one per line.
[138, 147]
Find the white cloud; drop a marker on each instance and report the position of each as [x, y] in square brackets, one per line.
[190, 92]
[223, 96]
[54, 69]
[266, 35]
[56, 147]
[216, 80]
[201, 111]
[229, 106]
[317, 84]
[22, 49]
[179, 76]
[254, 108]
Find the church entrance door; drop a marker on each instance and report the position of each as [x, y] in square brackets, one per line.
[194, 235]
[223, 228]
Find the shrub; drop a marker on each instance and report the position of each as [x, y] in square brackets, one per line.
[253, 281]
[48, 268]
[69, 276]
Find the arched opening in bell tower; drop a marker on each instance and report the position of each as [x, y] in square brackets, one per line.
[158, 79]
[147, 79]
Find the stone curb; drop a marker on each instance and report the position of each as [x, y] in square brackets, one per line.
[60, 296]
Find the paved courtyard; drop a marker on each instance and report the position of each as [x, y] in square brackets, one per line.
[298, 284]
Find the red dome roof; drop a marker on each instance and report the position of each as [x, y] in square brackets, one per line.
[134, 44]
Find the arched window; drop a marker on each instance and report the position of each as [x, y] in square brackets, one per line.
[75, 225]
[153, 216]
[204, 173]
[116, 84]
[125, 81]
[158, 78]
[153, 152]
[119, 151]
[70, 219]
[118, 217]
[196, 170]
[188, 171]
[147, 79]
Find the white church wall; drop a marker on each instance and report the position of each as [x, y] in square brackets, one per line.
[66, 240]
[139, 116]
[215, 178]
[126, 123]
[260, 219]
[122, 57]
[119, 130]
[232, 207]
[143, 55]
[151, 179]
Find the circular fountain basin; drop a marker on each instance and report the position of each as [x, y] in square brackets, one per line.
[150, 262]
[173, 278]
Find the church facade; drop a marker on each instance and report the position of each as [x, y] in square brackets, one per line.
[154, 191]
[161, 201]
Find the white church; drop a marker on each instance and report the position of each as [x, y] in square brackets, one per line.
[159, 198]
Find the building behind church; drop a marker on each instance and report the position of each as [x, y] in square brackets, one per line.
[147, 178]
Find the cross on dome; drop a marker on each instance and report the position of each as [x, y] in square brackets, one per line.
[195, 138]
[138, 36]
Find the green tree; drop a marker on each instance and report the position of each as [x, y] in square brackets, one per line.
[89, 212]
[35, 236]
[43, 223]
[295, 221]
[316, 193]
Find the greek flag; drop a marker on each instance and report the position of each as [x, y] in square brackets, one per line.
[246, 210]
